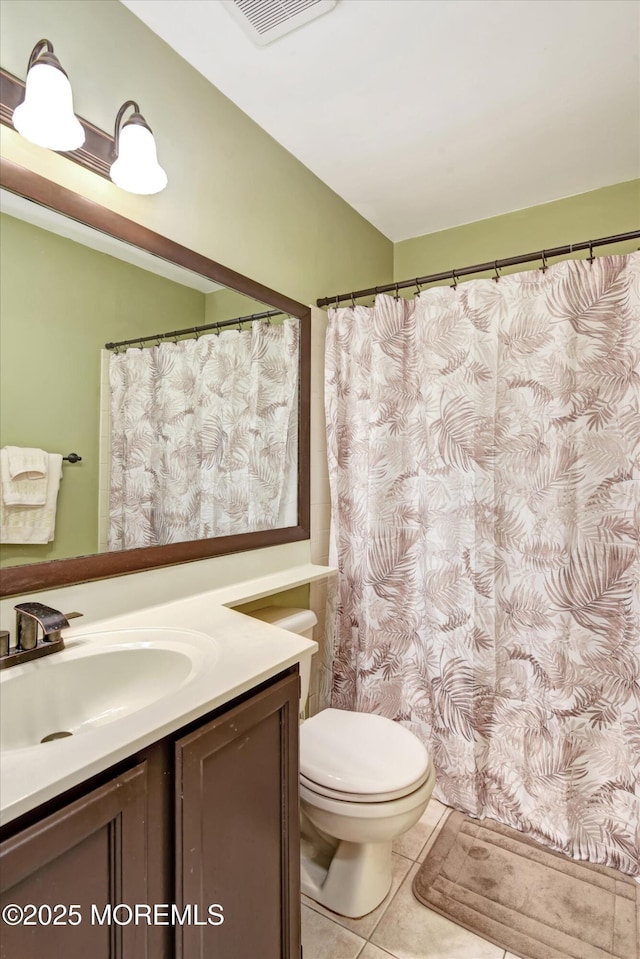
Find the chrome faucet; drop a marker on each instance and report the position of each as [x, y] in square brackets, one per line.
[30, 619]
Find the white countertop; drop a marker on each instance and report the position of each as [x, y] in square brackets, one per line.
[247, 652]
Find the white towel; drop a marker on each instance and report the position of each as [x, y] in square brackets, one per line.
[33, 524]
[24, 476]
[22, 459]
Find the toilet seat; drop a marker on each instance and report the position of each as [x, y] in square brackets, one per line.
[362, 797]
[360, 757]
[350, 808]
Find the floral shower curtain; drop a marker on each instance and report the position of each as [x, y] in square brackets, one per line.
[204, 436]
[484, 460]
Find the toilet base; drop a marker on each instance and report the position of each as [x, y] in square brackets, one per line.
[352, 874]
[353, 882]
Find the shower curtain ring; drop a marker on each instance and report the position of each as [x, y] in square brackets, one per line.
[140, 344]
[454, 278]
[418, 289]
[397, 296]
[590, 258]
[495, 267]
[353, 302]
[544, 261]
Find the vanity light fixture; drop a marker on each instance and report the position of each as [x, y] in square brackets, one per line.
[136, 168]
[45, 116]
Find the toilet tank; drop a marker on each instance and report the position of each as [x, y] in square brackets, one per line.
[300, 621]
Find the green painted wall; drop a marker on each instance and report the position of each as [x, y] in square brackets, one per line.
[605, 212]
[234, 194]
[227, 304]
[51, 334]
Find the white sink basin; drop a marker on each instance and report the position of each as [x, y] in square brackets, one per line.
[97, 680]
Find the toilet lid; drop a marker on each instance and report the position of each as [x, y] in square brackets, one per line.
[360, 753]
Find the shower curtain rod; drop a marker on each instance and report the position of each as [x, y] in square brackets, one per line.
[480, 268]
[139, 340]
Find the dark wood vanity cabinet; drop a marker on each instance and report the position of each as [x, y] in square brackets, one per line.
[90, 852]
[237, 829]
[204, 825]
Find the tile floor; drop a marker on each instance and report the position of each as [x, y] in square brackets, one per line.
[401, 927]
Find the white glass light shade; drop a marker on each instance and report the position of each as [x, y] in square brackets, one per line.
[137, 169]
[45, 116]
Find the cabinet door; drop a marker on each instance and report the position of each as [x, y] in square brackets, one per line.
[238, 830]
[91, 853]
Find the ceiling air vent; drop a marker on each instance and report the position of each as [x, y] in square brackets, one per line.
[266, 20]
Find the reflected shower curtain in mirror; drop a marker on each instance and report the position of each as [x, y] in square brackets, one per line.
[484, 460]
[204, 436]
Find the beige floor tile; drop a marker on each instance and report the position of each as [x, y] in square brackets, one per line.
[436, 804]
[365, 926]
[413, 843]
[374, 952]
[324, 939]
[408, 930]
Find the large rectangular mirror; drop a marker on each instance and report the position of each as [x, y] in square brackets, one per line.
[78, 277]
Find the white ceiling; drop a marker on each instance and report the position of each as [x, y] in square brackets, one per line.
[425, 114]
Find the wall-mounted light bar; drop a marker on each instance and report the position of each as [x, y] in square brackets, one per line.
[96, 153]
[41, 110]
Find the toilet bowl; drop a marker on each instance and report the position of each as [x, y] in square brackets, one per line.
[364, 781]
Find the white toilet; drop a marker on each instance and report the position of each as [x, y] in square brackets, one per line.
[364, 781]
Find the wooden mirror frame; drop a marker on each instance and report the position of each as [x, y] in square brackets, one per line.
[82, 569]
